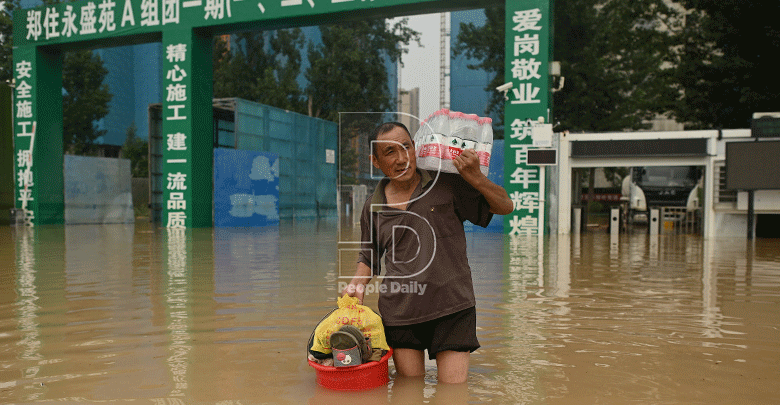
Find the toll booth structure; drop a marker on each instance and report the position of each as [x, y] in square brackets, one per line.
[724, 211]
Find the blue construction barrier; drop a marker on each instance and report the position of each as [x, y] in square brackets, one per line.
[246, 188]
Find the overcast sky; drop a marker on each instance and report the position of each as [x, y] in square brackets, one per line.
[421, 64]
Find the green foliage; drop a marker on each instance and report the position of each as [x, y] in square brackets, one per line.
[727, 67]
[137, 151]
[260, 66]
[595, 206]
[615, 175]
[615, 57]
[353, 128]
[348, 72]
[6, 40]
[85, 100]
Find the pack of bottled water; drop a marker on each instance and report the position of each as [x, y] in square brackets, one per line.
[445, 134]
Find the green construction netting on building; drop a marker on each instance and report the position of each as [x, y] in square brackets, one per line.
[306, 147]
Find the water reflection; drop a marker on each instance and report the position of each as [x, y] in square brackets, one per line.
[179, 314]
[27, 309]
[127, 313]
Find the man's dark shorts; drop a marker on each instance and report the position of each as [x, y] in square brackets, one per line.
[456, 332]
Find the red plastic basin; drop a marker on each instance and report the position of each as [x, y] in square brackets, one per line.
[363, 377]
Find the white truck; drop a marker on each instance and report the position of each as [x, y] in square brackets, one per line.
[661, 186]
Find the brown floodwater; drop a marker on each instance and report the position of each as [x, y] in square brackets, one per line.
[144, 315]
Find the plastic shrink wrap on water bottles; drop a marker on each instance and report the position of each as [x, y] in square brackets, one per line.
[440, 126]
[420, 139]
[429, 150]
[453, 141]
[485, 146]
[447, 134]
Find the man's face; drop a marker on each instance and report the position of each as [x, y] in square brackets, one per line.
[394, 155]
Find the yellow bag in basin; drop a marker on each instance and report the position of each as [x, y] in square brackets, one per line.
[349, 312]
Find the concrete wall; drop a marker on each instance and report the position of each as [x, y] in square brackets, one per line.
[729, 224]
[97, 190]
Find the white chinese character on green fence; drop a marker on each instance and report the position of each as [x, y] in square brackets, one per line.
[29, 216]
[527, 44]
[176, 201]
[176, 116]
[170, 12]
[176, 92]
[525, 201]
[521, 154]
[25, 196]
[300, 2]
[176, 53]
[23, 158]
[88, 18]
[176, 141]
[527, 19]
[176, 74]
[69, 22]
[24, 109]
[176, 219]
[107, 19]
[528, 225]
[525, 69]
[23, 69]
[25, 178]
[525, 94]
[216, 9]
[524, 177]
[520, 129]
[23, 90]
[50, 23]
[176, 181]
[149, 13]
[24, 125]
[34, 28]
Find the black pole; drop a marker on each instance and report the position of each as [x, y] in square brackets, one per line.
[750, 215]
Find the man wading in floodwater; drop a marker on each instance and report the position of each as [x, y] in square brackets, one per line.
[415, 219]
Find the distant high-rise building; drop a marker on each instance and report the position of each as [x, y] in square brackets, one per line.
[467, 86]
[409, 106]
[134, 81]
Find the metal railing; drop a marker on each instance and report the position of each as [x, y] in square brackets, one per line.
[681, 220]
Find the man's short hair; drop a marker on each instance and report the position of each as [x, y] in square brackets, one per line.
[383, 129]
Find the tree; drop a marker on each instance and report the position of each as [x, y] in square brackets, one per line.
[6, 40]
[727, 68]
[85, 100]
[137, 151]
[348, 74]
[348, 70]
[260, 66]
[615, 57]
